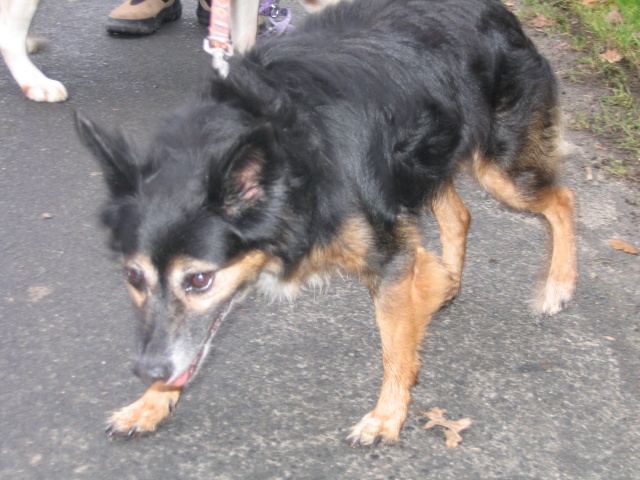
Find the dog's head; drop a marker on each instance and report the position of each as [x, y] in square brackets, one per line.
[195, 216]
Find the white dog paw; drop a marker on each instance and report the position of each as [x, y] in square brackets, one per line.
[553, 297]
[45, 91]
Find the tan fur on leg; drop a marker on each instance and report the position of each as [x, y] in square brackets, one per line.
[454, 220]
[403, 311]
[145, 414]
[556, 203]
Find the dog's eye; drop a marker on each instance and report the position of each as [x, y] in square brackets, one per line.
[199, 282]
[135, 277]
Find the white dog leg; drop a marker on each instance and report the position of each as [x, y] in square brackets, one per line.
[244, 24]
[15, 18]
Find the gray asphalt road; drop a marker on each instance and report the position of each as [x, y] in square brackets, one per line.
[551, 398]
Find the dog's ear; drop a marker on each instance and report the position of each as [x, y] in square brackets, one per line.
[248, 175]
[115, 155]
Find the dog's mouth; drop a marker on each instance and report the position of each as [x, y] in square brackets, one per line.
[184, 377]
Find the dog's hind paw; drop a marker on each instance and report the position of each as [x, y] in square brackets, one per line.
[553, 297]
[46, 90]
[373, 430]
[145, 414]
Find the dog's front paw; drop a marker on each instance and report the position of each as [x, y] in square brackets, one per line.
[374, 429]
[145, 414]
[45, 90]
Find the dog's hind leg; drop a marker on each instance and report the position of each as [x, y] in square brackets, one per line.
[403, 308]
[145, 414]
[556, 204]
[454, 220]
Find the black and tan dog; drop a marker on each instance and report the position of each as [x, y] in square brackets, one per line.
[320, 152]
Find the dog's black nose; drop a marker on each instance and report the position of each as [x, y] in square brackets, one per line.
[153, 370]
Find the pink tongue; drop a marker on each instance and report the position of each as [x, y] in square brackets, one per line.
[181, 380]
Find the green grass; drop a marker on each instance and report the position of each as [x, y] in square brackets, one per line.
[602, 25]
[615, 32]
[594, 29]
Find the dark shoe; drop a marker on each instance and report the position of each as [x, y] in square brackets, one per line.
[204, 11]
[142, 17]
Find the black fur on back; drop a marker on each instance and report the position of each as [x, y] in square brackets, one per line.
[364, 111]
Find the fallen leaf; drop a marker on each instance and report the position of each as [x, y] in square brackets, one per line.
[614, 16]
[589, 3]
[452, 429]
[540, 21]
[611, 56]
[509, 4]
[624, 246]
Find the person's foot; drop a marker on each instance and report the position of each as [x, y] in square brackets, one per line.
[204, 11]
[142, 17]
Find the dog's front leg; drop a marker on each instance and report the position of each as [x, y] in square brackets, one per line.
[145, 414]
[244, 26]
[403, 310]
